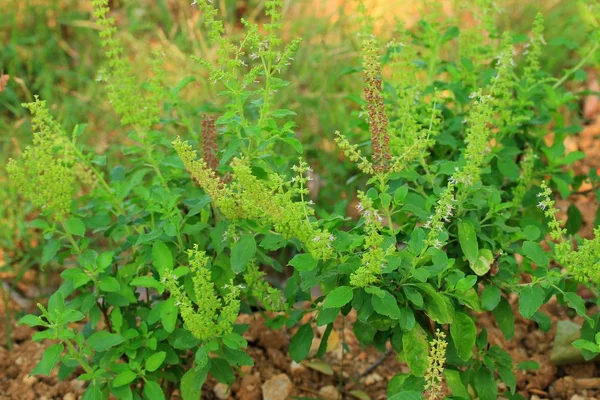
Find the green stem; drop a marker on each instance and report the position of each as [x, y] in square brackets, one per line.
[577, 67]
[70, 237]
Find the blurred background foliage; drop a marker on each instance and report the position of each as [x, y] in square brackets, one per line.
[51, 48]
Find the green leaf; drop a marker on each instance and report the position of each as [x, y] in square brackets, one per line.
[49, 360]
[75, 226]
[457, 387]
[400, 195]
[122, 392]
[221, 371]
[295, 143]
[407, 319]
[576, 302]
[528, 365]
[414, 343]
[386, 305]
[93, 392]
[301, 342]
[505, 318]
[31, 320]
[192, 382]
[109, 284]
[124, 378]
[583, 344]
[485, 258]
[155, 361]
[50, 250]
[338, 297]
[485, 384]
[234, 341]
[574, 220]
[282, 112]
[242, 252]
[162, 259]
[407, 395]
[303, 262]
[152, 391]
[508, 377]
[468, 241]
[437, 305]
[414, 296]
[530, 300]
[490, 297]
[77, 276]
[104, 340]
[463, 333]
[168, 314]
[535, 253]
[146, 281]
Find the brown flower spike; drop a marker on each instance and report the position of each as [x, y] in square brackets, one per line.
[210, 146]
[378, 120]
[3, 81]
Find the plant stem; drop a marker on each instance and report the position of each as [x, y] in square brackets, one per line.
[70, 237]
[577, 67]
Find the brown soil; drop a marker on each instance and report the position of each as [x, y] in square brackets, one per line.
[320, 378]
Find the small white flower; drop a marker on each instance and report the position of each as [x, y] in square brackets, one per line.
[542, 40]
[177, 304]
[316, 239]
[541, 205]
[194, 3]
[331, 238]
[254, 56]
[310, 202]
[360, 207]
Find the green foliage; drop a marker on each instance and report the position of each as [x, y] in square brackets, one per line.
[446, 206]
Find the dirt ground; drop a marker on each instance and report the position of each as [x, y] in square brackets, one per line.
[366, 371]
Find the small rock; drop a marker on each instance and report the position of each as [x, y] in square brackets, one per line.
[278, 387]
[372, 379]
[250, 388]
[298, 371]
[578, 397]
[69, 396]
[77, 384]
[246, 369]
[29, 380]
[221, 390]
[329, 392]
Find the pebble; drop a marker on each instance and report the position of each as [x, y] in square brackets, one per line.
[221, 390]
[69, 396]
[372, 379]
[578, 397]
[278, 387]
[329, 392]
[29, 380]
